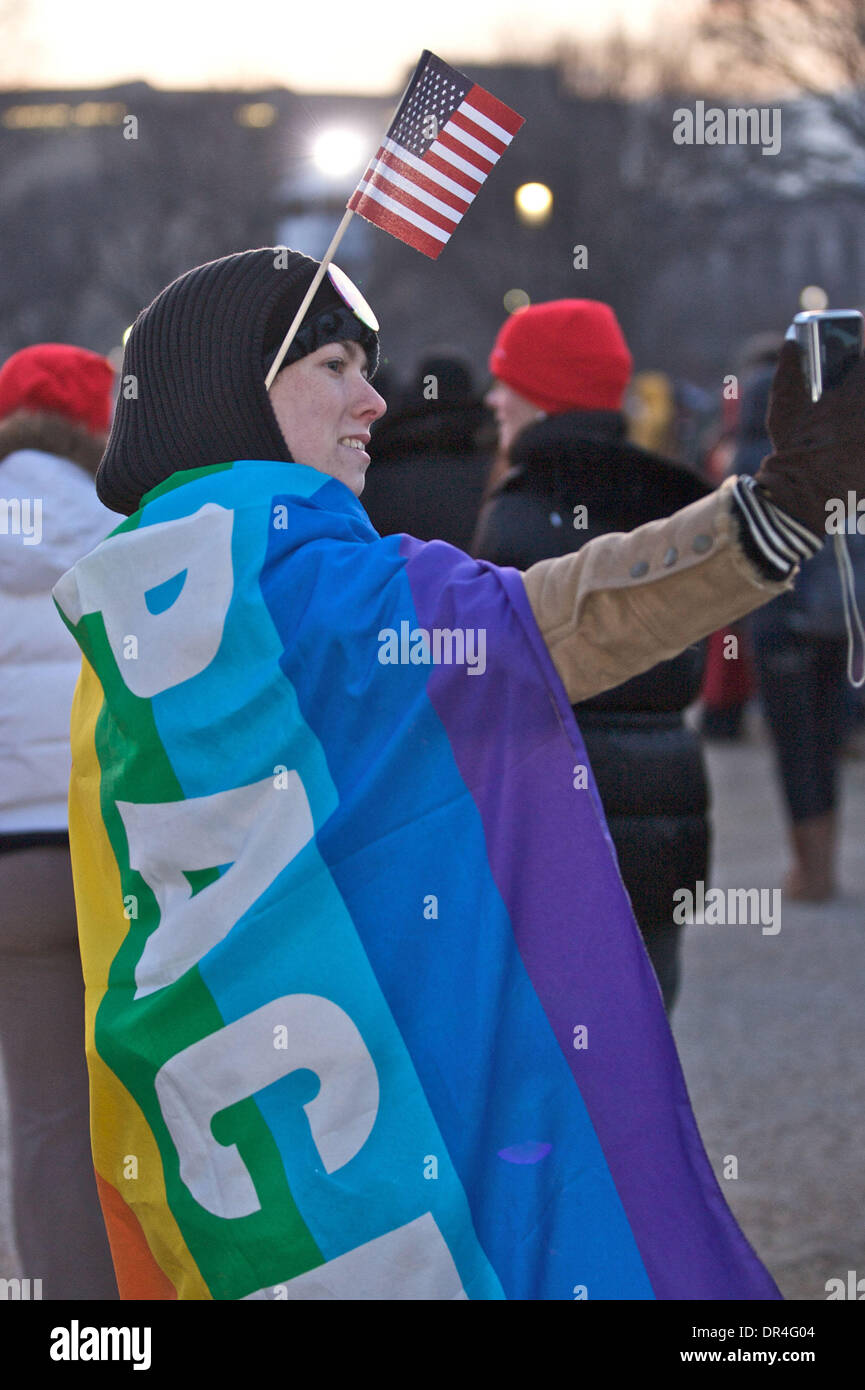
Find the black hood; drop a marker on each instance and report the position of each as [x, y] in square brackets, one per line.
[192, 390]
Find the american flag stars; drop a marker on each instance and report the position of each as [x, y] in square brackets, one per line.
[435, 95]
[447, 135]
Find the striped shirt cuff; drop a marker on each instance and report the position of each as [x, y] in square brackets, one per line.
[778, 542]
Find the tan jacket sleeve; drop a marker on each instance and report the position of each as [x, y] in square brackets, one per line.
[631, 599]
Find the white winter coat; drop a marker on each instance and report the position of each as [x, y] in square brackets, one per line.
[49, 517]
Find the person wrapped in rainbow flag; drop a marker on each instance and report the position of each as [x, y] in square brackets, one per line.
[368, 1015]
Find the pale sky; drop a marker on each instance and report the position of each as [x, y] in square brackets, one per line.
[333, 45]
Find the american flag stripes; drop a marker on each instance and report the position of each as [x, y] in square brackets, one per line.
[446, 136]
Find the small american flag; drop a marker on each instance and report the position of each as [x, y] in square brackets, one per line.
[445, 138]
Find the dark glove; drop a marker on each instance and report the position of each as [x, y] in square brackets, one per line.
[819, 447]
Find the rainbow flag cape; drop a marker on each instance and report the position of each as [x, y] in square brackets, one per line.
[368, 1015]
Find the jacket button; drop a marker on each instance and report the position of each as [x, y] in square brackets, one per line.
[671, 556]
[639, 569]
[701, 543]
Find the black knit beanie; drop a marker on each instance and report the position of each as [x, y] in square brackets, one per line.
[192, 388]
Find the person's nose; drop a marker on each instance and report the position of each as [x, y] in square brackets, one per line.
[492, 396]
[370, 404]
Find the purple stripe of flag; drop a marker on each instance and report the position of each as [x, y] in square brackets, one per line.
[516, 742]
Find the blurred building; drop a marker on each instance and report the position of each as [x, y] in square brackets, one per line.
[108, 195]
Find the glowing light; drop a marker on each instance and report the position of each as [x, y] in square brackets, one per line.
[515, 299]
[338, 152]
[55, 115]
[534, 202]
[256, 114]
[98, 113]
[813, 297]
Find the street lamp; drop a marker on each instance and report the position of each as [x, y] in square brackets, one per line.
[256, 114]
[515, 299]
[534, 203]
[813, 297]
[337, 152]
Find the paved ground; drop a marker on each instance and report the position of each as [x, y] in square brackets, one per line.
[771, 1032]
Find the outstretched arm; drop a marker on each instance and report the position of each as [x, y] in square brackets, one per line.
[628, 600]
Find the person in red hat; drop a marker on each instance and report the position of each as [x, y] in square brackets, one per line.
[569, 354]
[55, 408]
[69, 384]
[561, 371]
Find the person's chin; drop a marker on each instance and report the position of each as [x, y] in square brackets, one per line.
[352, 471]
[357, 481]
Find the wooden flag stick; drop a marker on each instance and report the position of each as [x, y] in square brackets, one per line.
[307, 299]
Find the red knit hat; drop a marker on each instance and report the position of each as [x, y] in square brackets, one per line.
[569, 354]
[59, 380]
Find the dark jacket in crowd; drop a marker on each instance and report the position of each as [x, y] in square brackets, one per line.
[430, 457]
[648, 765]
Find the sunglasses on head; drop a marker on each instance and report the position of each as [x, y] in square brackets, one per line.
[352, 297]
